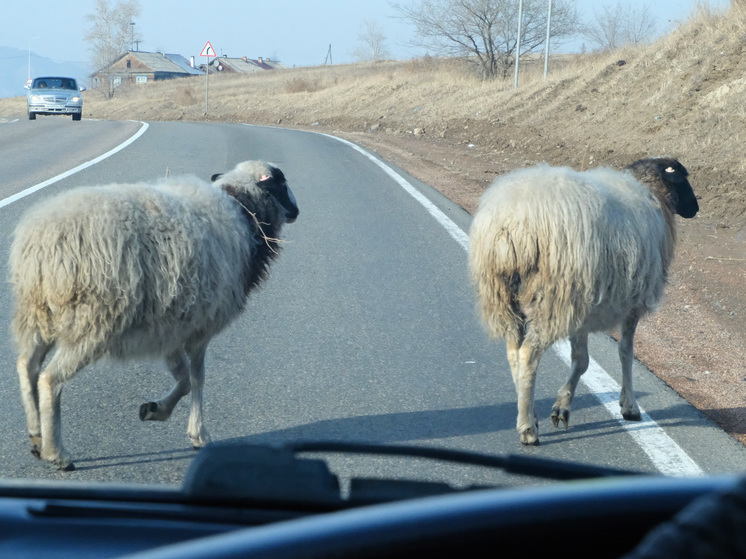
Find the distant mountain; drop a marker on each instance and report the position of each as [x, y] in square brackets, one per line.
[14, 70]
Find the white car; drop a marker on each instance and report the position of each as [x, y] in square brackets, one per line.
[54, 95]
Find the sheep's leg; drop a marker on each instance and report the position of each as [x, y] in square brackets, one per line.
[162, 409]
[62, 367]
[196, 430]
[513, 352]
[512, 348]
[627, 401]
[565, 395]
[527, 424]
[28, 367]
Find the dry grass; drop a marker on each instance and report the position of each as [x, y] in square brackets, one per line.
[680, 96]
[297, 85]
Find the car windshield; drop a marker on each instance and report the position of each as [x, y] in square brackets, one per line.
[54, 83]
[413, 276]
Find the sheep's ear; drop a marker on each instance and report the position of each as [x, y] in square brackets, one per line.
[274, 182]
[674, 172]
[216, 176]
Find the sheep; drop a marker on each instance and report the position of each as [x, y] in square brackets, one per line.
[148, 270]
[556, 253]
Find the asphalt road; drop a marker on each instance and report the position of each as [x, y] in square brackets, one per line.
[365, 330]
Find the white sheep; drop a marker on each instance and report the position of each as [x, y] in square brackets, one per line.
[138, 271]
[557, 253]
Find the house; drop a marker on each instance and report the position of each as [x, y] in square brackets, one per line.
[142, 67]
[241, 65]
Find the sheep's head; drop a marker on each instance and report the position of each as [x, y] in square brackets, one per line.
[265, 176]
[667, 178]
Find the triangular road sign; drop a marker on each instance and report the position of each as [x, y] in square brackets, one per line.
[208, 50]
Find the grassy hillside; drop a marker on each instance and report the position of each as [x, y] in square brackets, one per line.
[682, 96]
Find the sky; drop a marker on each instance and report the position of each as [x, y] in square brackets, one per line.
[296, 32]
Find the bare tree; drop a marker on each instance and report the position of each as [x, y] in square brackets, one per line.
[620, 24]
[111, 33]
[486, 31]
[372, 43]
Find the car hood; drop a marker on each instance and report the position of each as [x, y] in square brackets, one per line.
[56, 92]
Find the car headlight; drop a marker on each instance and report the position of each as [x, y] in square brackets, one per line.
[36, 98]
[74, 99]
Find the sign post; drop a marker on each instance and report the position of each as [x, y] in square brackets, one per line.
[208, 52]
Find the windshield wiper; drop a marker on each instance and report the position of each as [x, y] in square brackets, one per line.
[275, 476]
[545, 468]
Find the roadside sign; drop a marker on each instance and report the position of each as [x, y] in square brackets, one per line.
[208, 50]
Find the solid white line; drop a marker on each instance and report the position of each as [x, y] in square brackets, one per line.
[453, 229]
[37, 187]
[667, 456]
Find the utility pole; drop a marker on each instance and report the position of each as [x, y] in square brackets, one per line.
[329, 56]
[546, 52]
[29, 55]
[132, 35]
[518, 46]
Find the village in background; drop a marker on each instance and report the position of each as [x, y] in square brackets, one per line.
[137, 67]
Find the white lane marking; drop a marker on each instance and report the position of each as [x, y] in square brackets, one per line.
[667, 456]
[453, 229]
[37, 187]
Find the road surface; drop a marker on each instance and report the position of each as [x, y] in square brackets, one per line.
[365, 330]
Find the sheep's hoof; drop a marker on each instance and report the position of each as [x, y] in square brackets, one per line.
[61, 462]
[64, 465]
[199, 441]
[560, 415]
[530, 438]
[36, 446]
[632, 415]
[148, 411]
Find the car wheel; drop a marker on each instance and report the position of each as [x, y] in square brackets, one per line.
[76, 116]
[32, 116]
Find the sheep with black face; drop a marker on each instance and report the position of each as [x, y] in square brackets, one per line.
[148, 270]
[556, 253]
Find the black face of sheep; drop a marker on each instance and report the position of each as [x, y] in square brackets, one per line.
[274, 182]
[107, 271]
[555, 253]
[673, 175]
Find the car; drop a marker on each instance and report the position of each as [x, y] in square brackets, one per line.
[54, 95]
[241, 500]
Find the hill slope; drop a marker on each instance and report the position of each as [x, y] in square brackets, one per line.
[681, 96]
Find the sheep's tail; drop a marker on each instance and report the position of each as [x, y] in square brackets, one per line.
[497, 277]
[32, 317]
